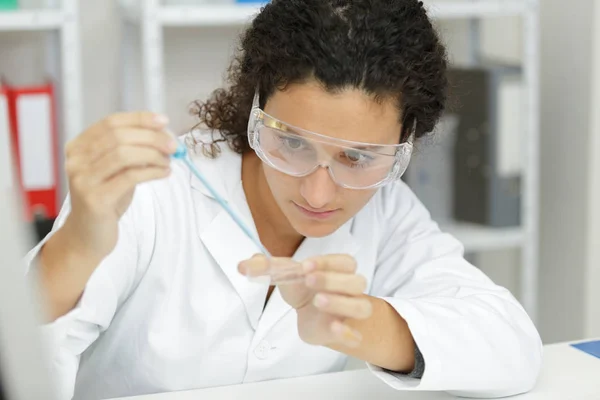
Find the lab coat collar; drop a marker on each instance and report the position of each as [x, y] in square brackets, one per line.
[229, 246]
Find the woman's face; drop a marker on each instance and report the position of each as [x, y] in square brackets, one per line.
[314, 205]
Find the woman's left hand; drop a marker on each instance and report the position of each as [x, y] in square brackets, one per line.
[327, 294]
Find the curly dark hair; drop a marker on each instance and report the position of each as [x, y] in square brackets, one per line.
[388, 48]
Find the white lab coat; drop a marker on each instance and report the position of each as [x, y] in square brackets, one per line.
[168, 311]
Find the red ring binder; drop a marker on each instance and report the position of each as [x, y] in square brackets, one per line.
[32, 114]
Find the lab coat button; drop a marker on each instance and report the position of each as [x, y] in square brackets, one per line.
[262, 350]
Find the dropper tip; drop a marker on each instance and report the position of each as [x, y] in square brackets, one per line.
[180, 152]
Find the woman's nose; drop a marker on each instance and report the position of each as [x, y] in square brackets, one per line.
[318, 189]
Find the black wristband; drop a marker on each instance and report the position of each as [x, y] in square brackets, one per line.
[419, 368]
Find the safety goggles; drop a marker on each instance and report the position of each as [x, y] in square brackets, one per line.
[298, 152]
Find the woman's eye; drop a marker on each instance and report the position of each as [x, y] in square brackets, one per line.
[354, 156]
[356, 159]
[293, 143]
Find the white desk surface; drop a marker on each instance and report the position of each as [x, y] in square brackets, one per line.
[567, 373]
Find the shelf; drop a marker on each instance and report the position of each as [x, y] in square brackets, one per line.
[478, 9]
[477, 238]
[31, 20]
[206, 15]
[232, 15]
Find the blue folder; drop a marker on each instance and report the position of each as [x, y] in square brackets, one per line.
[592, 348]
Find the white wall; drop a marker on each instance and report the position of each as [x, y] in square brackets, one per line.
[592, 328]
[194, 64]
[21, 61]
[566, 91]
[101, 33]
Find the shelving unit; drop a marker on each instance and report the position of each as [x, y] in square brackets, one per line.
[61, 24]
[28, 20]
[150, 17]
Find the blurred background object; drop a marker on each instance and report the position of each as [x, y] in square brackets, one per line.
[512, 169]
[40, 99]
[8, 5]
[487, 156]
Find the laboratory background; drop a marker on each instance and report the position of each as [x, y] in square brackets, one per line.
[513, 169]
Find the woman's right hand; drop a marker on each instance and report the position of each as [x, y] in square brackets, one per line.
[104, 164]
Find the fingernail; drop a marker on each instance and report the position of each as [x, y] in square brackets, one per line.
[320, 301]
[161, 119]
[173, 145]
[309, 266]
[311, 280]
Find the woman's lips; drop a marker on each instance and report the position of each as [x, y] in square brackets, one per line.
[319, 215]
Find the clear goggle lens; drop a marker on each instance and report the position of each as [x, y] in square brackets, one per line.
[297, 152]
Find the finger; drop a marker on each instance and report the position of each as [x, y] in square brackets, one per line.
[72, 146]
[345, 335]
[336, 282]
[140, 119]
[92, 149]
[277, 271]
[116, 122]
[125, 158]
[118, 186]
[343, 263]
[97, 168]
[259, 265]
[343, 306]
[256, 266]
[158, 140]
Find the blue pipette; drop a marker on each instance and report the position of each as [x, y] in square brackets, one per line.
[181, 154]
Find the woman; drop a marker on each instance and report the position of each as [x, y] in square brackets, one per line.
[148, 288]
